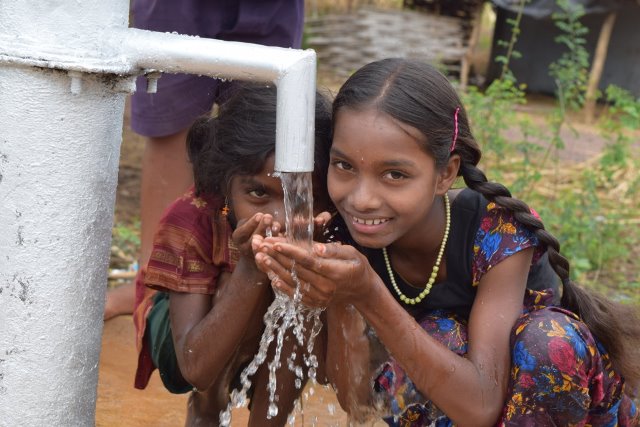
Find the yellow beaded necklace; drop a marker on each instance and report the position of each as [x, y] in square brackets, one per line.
[436, 267]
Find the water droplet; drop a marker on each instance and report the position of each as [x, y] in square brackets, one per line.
[225, 417]
[292, 419]
[273, 411]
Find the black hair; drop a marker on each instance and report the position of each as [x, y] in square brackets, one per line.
[239, 139]
[417, 94]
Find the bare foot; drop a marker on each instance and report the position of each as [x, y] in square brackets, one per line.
[120, 301]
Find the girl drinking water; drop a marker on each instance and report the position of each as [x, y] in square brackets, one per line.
[452, 282]
[199, 317]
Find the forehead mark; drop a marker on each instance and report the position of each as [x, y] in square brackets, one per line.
[388, 163]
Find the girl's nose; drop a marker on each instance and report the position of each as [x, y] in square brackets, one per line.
[364, 198]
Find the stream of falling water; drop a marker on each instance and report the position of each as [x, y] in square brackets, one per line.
[286, 313]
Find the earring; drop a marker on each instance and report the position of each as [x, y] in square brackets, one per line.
[225, 209]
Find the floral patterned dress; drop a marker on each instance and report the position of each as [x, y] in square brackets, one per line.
[560, 374]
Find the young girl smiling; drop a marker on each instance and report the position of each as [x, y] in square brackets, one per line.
[461, 286]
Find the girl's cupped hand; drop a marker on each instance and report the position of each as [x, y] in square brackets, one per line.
[258, 224]
[329, 272]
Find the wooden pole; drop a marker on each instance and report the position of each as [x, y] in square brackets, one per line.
[597, 66]
[465, 65]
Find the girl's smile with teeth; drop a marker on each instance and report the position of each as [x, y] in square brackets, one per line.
[376, 221]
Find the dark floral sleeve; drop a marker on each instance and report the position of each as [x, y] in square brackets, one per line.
[499, 236]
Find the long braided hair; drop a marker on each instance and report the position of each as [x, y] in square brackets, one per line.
[416, 94]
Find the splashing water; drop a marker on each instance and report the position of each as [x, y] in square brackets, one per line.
[286, 313]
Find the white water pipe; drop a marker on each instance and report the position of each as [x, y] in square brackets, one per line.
[129, 51]
[293, 72]
[65, 69]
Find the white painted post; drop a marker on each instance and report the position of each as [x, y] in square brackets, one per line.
[59, 147]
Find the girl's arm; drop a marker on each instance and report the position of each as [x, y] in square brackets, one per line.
[471, 390]
[348, 357]
[286, 390]
[207, 332]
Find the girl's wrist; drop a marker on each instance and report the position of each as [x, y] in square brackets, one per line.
[248, 267]
[370, 294]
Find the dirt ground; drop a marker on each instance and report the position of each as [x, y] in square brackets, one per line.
[119, 404]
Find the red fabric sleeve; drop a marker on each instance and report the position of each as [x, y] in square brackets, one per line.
[190, 248]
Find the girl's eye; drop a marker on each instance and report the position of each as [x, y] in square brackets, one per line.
[341, 164]
[258, 193]
[395, 175]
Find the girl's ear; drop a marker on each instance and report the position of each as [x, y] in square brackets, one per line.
[448, 174]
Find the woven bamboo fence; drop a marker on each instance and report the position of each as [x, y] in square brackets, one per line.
[345, 42]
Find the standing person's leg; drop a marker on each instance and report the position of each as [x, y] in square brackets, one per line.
[164, 118]
[166, 174]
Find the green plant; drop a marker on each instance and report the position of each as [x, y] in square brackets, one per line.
[509, 45]
[491, 114]
[493, 111]
[589, 206]
[571, 70]
[125, 244]
[620, 118]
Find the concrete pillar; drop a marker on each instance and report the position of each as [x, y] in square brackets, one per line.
[60, 141]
